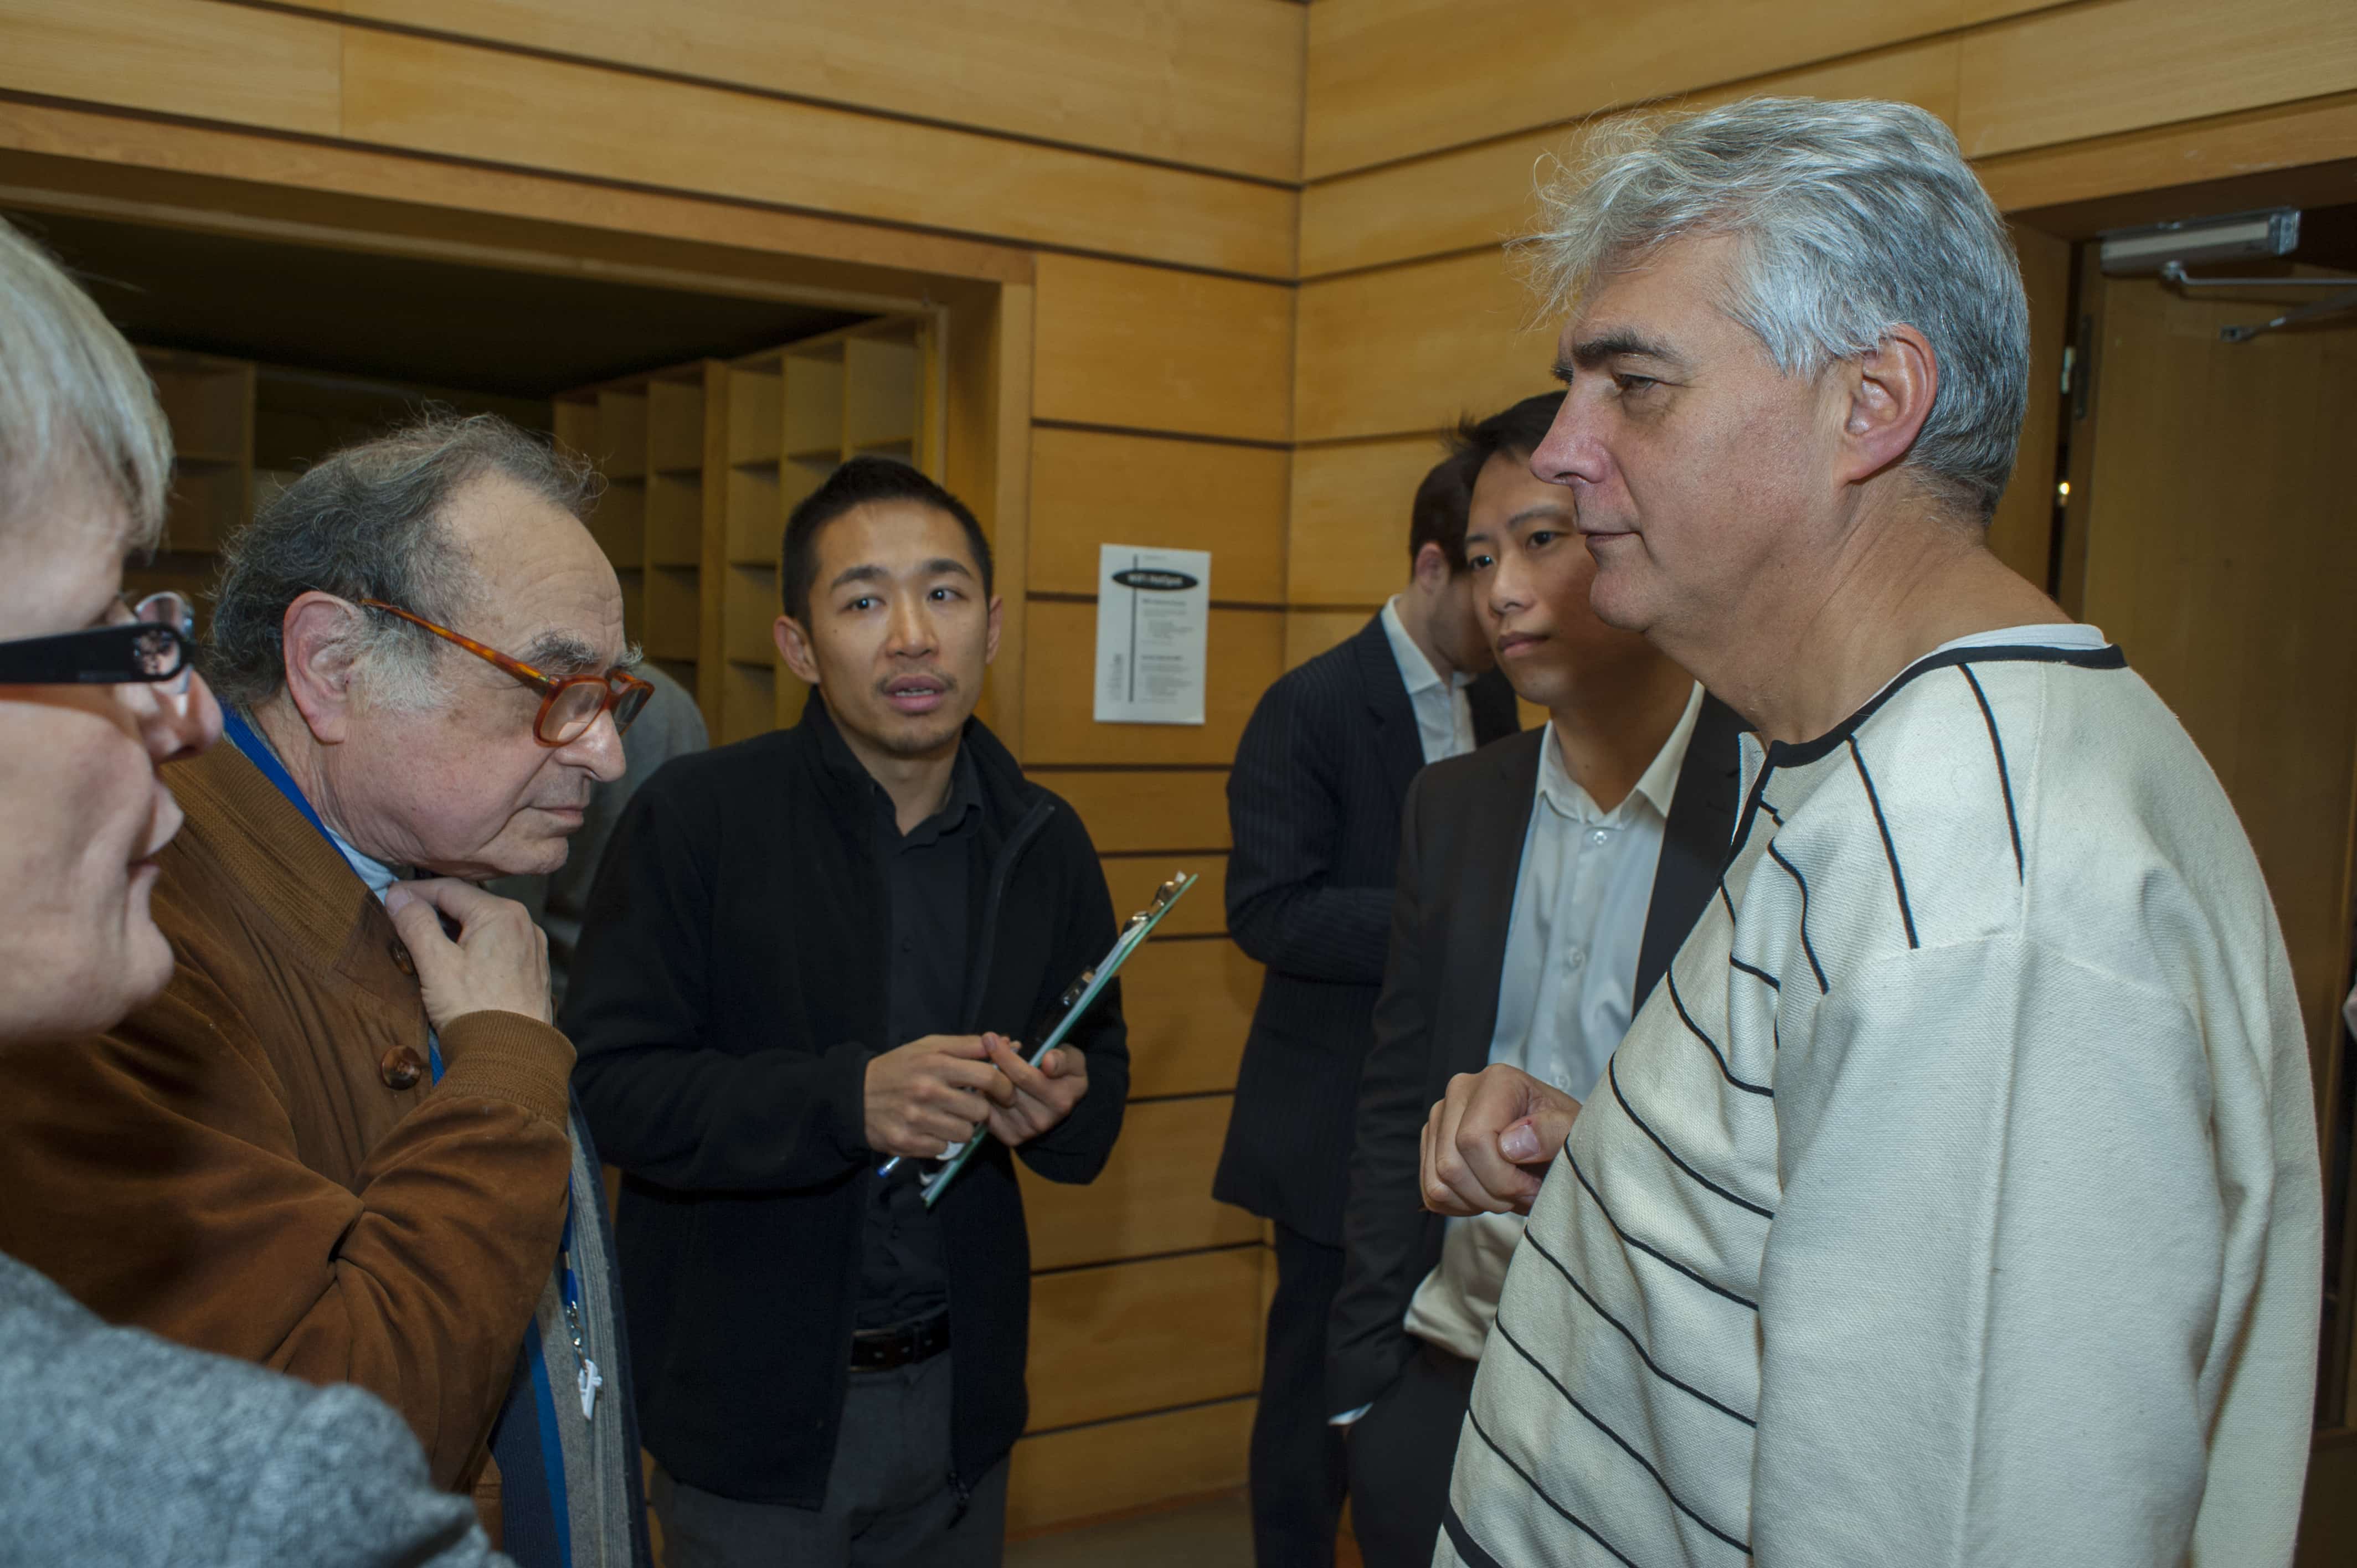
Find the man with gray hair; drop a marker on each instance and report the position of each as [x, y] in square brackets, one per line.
[341, 1142]
[1955, 1197]
[123, 1449]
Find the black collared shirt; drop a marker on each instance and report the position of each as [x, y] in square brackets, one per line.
[928, 884]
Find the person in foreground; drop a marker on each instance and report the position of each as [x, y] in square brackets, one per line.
[340, 1144]
[808, 955]
[1958, 1198]
[1545, 881]
[1314, 809]
[124, 1448]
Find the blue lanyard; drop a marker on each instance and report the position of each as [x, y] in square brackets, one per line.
[257, 751]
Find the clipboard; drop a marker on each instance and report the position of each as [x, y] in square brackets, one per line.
[1076, 1001]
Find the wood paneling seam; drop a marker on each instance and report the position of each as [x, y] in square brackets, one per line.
[607, 182]
[751, 90]
[1605, 111]
[1138, 1414]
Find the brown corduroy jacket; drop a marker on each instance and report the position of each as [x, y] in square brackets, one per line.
[256, 1164]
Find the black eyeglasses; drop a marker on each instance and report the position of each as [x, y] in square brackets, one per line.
[153, 644]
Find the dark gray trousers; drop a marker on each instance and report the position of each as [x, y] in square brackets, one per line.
[1402, 1452]
[889, 1501]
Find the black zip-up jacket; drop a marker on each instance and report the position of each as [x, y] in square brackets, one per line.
[725, 998]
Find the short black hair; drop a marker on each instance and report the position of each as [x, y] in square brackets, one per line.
[1437, 516]
[1516, 432]
[859, 482]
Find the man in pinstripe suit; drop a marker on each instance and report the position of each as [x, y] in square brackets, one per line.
[1314, 806]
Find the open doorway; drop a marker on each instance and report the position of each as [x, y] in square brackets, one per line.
[2205, 520]
[709, 414]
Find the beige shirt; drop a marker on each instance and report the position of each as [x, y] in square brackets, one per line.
[1566, 993]
[1956, 1200]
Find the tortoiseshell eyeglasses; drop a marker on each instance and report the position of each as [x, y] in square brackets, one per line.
[569, 704]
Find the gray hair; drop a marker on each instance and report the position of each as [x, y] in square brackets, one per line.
[72, 395]
[1853, 217]
[369, 522]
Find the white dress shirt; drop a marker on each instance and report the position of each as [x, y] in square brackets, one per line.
[1566, 994]
[1444, 719]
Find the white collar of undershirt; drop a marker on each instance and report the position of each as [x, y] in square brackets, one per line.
[1657, 785]
[372, 871]
[1416, 670]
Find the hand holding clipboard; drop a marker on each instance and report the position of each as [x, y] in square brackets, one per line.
[1077, 999]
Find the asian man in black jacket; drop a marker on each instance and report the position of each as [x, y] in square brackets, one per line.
[807, 953]
[1314, 810]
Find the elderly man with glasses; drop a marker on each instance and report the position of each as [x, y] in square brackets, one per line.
[125, 1449]
[340, 1144]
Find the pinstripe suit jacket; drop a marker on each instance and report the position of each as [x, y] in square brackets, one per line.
[1314, 807]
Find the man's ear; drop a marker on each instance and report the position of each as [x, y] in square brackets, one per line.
[320, 639]
[990, 647]
[795, 647]
[1430, 568]
[1888, 393]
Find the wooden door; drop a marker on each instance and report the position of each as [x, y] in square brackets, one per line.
[2212, 532]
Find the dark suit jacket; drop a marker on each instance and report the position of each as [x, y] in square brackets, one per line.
[1460, 855]
[1314, 807]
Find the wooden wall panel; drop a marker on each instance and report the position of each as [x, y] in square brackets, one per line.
[1086, 1471]
[1393, 79]
[1154, 1195]
[1143, 1335]
[2119, 65]
[1308, 633]
[1480, 195]
[1348, 544]
[2079, 175]
[428, 95]
[1202, 913]
[1150, 348]
[1060, 698]
[1188, 1004]
[1215, 84]
[176, 57]
[1091, 487]
[1410, 348]
[1134, 812]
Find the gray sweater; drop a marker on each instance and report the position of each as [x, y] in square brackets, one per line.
[124, 1448]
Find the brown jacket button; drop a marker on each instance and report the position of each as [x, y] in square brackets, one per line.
[401, 1068]
[402, 960]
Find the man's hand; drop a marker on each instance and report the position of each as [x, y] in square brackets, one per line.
[931, 1093]
[1487, 1146]
[1044, 1095]
[498, 964]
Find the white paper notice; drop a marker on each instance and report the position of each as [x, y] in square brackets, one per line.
[1154, 620]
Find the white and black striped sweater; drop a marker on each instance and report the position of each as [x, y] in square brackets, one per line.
[1956, 1199]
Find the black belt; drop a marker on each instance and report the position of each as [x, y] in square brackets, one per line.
[881, 1349]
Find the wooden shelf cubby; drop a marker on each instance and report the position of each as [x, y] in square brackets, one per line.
[704, 463]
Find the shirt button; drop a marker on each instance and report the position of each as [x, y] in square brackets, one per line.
[401, 959]
[1574, 958]
[401, 1067]
[1596, 837]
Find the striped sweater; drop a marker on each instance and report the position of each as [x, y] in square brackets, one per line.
[1956, 1199]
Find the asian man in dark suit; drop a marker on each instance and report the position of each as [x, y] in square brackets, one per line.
[1314, 804]
[1543, 883]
